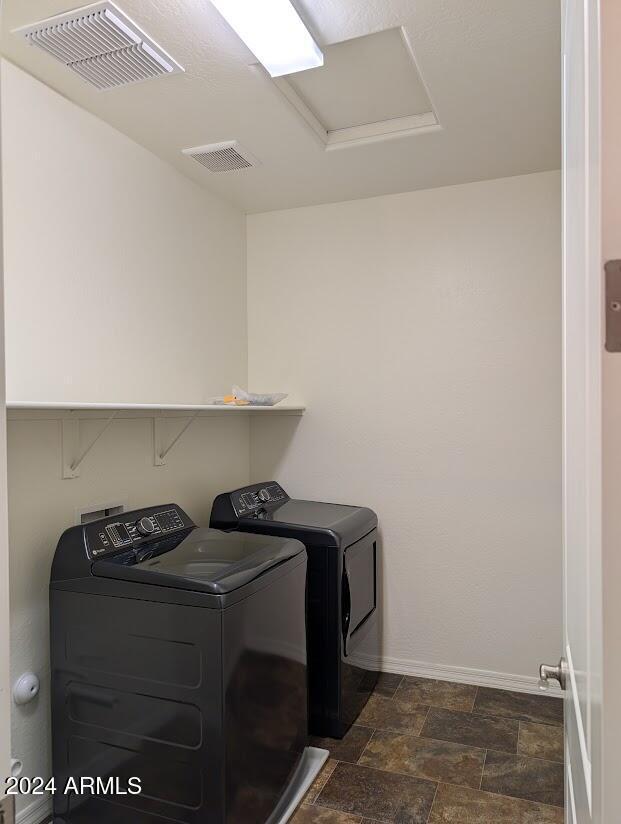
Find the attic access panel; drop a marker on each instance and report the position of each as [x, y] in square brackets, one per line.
[369, 88]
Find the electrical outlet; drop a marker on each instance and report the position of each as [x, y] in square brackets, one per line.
[7, 810]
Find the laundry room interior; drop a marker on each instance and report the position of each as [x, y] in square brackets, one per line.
[377, 236]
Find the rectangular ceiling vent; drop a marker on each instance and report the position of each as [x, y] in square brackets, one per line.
[222, 157]
[102, 45]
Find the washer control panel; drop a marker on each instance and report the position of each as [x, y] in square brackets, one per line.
[249, 500]
[112, 534]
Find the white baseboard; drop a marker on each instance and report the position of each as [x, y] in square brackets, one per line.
[462, 675]
[37, 812]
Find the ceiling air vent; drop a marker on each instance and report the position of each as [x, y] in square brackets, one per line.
[222, 157]
[102, 45]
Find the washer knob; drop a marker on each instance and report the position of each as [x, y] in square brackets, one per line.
[145, 526]
[264, 495]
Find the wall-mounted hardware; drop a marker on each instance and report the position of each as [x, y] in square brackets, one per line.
[72, 457]
[97, 512]
[26, 688]
[17, 767]
[613, 305]
[548, 673]
[160, 452]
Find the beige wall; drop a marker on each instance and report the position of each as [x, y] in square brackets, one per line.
[124, 280]
[423, 331]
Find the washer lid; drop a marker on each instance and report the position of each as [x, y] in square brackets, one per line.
[206, 560]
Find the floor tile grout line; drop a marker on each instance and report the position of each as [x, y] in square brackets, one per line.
[475, 747]
[418, 734]
[481, 713]
[478, 713]
[446, 741]
[345, 812]
[442, 741]
[398, 732]
[519, 720]
[365, 746]
[529, 757]
[405, 775]
[483, 770]
[396, 772]
[474, 702]
[504, 795]
[397, 687]
[522, 798]
[314, 801]
[433, 801]
[525, 800]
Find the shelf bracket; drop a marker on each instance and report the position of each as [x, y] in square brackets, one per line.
[159, 452]
[71, 444]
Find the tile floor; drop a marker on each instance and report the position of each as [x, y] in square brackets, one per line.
[434, 752]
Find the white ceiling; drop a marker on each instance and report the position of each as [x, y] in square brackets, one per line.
[490, 67]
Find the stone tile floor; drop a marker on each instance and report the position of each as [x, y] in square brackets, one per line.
[435, 752]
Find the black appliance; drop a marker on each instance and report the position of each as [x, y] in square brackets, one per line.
[179, 658]
[343, 595]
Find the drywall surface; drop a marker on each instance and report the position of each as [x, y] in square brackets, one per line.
[423, 331]
[124, 280]
[212, 456]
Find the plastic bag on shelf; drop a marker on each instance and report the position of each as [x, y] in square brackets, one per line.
[258, 400]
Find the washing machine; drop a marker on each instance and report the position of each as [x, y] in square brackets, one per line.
[343, 592]
[178, 659]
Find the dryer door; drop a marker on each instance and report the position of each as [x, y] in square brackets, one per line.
[359, 589]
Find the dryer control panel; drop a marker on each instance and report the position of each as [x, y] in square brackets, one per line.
[251, 499]
[133, 529]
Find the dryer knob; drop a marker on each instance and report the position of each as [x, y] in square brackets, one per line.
[264, 495]
[145, 526]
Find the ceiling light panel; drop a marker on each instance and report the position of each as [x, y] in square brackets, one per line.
[274, 33]
[100, 44]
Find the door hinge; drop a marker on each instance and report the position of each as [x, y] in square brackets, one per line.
[7, 810]
[613, 306]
